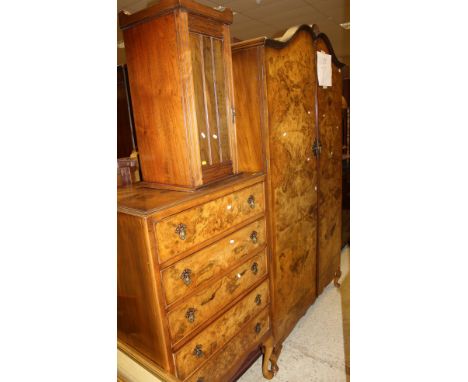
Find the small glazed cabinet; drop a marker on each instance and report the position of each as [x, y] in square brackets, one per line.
[179, 64]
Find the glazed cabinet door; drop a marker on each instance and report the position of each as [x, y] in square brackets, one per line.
[211, 103]
[293, 176]
[330, 175]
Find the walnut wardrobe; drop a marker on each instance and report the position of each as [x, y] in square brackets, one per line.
[290, 127]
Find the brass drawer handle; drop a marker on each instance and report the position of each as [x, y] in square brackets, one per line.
[258, 299]
[198, 352]
[190, 315]
[185, 276]
[251, 201]
[254, 237]
[254, 268]
[258, 328]
[181, 230]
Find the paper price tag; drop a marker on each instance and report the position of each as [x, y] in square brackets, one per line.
[324, 69]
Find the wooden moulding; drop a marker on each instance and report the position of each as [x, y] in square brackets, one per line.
[127, 20]
[144, 362]
[141, 201]
[205, 26]
[214, 173]
[287, 37]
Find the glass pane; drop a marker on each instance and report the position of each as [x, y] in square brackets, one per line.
[210, 99]
[197, 72]
[221, 100]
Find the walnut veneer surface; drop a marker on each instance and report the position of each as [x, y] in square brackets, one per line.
[191, 311]
[330, 174]
[281, 113]
[213, 259]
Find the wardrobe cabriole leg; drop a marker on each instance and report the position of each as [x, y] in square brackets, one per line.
[274, 357]
[267, 348]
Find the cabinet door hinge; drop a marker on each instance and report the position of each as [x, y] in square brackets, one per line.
[233, 112]
[317, 148]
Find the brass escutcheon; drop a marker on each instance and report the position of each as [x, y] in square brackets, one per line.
[251, 201]
[198, 352]
[190, 315]
[254, 268]
[258, 327]
[185, 276]
[258, 299]
[181, 230]
[254, 237]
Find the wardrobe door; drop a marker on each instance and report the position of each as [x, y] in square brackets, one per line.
[293, 177]
[330, 184]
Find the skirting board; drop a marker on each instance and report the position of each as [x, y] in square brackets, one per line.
[132, 367]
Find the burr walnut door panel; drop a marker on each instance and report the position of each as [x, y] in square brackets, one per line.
[290, 85]
[190, 272]
[206, 303]
[200, 348]
[330, 186]
[181, 232]
[210, 92]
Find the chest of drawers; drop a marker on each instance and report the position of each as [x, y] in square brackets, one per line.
[193, 280]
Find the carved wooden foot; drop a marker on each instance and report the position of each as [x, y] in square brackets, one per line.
[337, 277]
[267, 348]
[274, 357]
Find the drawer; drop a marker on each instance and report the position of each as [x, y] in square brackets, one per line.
[182, 231]
[215, 369]
[203, 305]
[201, 347]
[187, 274]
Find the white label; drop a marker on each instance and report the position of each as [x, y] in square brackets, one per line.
[324, 69]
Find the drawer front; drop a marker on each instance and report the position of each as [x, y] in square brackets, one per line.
[200, 348]
[215, 369]
[210, 300]
[187, 274]
[183, 231]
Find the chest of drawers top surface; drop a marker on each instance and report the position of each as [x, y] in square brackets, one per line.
[140, 200]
